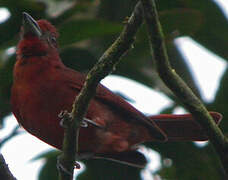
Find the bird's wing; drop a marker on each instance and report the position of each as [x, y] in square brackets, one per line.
[118, 104]
[132, 158]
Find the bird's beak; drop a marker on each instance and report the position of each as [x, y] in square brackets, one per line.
[30, 25]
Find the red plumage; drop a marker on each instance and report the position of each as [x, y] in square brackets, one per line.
[43, 87]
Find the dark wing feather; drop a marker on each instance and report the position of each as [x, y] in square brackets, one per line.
[131, 158]
[107, 97]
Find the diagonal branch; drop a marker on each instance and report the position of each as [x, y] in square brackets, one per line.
[5, 173]
[11, 135]
[103, 67]
[178, 86]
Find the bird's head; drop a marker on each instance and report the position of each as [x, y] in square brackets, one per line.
[38, 38]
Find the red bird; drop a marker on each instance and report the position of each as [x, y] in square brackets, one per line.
[43, 87]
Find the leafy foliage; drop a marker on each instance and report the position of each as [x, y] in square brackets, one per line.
[87, 28]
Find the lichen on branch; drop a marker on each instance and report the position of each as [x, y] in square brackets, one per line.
[5, 173]
[105, 65]
[178, 86]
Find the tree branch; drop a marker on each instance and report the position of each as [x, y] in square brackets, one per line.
[5, 173]
[103, 67]
[178, 86]
[11, 135]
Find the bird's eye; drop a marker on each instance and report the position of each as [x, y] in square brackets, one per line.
[52, 41]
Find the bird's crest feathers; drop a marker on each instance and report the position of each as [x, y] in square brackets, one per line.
[46, 26]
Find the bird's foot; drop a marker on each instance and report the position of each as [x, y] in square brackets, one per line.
[65, 118]
[87, 121]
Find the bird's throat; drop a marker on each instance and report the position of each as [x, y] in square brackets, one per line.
[31, 47]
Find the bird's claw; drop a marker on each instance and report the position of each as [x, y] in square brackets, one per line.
[87, 121]
[65, 118]
[84, 124]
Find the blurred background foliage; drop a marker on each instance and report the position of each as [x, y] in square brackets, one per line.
[87, 28]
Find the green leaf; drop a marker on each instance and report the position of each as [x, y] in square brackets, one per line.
[115, 10]
[83, 29]
[49, 169]
[103, 170]
[213, 30]
[46, 155]
[6, 74]
[77, 58]
[177, 20]
[189, 161]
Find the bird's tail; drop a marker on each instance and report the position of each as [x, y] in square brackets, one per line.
[183, 127]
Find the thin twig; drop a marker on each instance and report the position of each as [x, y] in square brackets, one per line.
[104, 66]
[11, 135]
[178, 86]
[5, 173]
